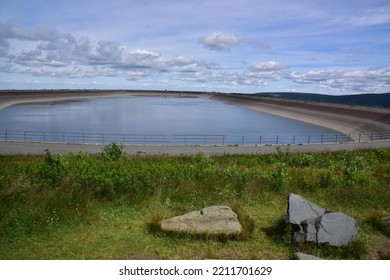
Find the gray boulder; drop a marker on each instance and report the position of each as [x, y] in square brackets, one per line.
[210, 220]
[319, 225]
[307, 231]
[300, 209]
[336, 229]
[333, 228]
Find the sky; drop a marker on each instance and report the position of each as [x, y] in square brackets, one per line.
[329, 47]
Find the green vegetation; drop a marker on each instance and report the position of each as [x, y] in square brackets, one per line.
[113, 151]
[108, 205]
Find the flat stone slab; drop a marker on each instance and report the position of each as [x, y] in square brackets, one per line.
[303, 256]
[210, 220]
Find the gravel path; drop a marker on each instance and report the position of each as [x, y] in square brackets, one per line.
[60, 148]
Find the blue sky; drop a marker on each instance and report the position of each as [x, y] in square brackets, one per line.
[333, 47]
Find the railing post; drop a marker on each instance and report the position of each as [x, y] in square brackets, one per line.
[44, 136]
[277, 139]
[6, 135]
[293, 139]
[308, 139]
[223, 140]
[83, 138]
[25, 138]
[260, 139]
[349, 137]
[322, 138]
[360, 135]
[336, 138]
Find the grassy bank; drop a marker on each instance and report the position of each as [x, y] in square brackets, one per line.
[80, 206]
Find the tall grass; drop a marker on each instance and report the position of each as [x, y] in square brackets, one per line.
[58, 195]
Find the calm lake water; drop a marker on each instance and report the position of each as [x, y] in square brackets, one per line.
[166, 116]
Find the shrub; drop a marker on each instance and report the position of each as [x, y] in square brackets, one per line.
[202, 167]
[353, 167]
[55, 168]
[112, 151]
[237, 177]
[304, 160]
[278, 178]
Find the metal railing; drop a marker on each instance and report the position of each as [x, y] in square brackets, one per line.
[185, 140]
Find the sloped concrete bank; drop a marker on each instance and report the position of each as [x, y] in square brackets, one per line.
[346, 119]
[9, 98]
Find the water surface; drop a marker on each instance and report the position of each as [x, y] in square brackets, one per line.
[142, 115]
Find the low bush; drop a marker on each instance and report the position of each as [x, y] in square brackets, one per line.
[112, 151]
[278, 177]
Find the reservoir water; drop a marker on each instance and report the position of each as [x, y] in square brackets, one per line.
[166, 118]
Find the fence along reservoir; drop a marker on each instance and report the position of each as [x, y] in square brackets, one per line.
[154, 120]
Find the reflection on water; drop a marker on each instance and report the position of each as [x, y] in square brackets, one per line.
[150, 115]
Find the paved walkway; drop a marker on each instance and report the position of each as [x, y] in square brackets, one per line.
[60, 148]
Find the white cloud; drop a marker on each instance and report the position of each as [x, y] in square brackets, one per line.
[375, 80]
[257, 75]
[220, 41]
[67, 56]
[163, 55]
[267, 66]
[4, 47]
[40, 33]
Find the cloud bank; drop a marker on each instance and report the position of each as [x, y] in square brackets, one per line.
[43, 51]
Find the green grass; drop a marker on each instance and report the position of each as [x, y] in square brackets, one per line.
[107, 206]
